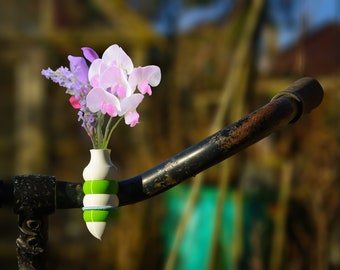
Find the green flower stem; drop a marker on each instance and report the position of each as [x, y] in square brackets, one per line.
[106, 141]
[100, 140]
[107, 131]
[99, 134]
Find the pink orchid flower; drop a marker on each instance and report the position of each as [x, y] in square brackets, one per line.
[144, 77]
[100, 100]
[131, 118]
[115, 80]
[115, 56]
[128, 109]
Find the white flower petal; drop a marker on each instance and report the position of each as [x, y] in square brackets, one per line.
[150, 74]
[114, 55]
[95, 69]
[98, 96]
[130, 103]
[94, 99]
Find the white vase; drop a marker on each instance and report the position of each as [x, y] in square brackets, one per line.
[100, 189]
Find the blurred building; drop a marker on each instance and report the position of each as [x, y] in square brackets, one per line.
[315, 53]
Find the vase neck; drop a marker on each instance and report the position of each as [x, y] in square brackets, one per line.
[100, 166]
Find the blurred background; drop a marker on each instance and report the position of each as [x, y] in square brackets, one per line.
[273, 206]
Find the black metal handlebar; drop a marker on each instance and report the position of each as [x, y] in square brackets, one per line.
[34, 197]
[300, 98]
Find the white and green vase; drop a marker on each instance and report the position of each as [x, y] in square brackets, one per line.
[100, 189]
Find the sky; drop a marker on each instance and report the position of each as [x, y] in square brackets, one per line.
[176, 16]
[317, 13]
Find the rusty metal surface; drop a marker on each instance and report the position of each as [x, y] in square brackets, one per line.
[34, 200]
[210, 151]
[301, 97]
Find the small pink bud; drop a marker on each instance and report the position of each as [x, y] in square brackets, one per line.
[74, 102]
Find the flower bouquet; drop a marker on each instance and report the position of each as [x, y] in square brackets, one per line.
[103, 90]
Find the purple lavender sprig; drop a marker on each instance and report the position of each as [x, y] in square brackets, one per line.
[78, 90]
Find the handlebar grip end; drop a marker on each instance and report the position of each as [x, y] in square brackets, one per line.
[307, 91]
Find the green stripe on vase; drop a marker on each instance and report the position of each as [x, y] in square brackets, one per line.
[96, 215]
[100, 187]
